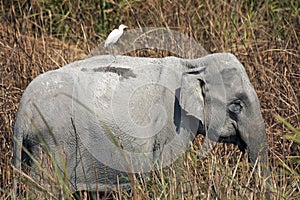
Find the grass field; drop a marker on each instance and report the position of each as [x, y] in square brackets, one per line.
[38, 36]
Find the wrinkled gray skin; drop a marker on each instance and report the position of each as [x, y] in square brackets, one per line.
[141, 105]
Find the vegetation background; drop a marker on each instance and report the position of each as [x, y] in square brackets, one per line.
[37, 36]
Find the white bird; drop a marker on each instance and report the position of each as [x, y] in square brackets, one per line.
[114, 35]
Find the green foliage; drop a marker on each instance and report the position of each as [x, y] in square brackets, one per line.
[295, 136]
[291, 169]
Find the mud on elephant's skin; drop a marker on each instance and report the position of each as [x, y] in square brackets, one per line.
[135, 113]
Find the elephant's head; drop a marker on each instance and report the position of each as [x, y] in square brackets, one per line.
[217, 91]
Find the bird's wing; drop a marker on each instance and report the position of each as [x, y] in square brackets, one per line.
[113, 37]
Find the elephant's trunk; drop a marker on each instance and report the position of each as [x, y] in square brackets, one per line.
[257, 147]
[255, 137]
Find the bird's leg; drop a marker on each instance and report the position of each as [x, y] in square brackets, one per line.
[113, 53]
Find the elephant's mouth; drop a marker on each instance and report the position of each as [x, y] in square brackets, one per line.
[234, 137]
[230, 134]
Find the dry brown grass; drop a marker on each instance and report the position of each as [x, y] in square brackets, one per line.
[264, 37]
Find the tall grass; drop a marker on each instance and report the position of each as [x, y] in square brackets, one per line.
[37, 36]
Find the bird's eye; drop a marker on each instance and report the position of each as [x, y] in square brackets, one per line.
[236, 107]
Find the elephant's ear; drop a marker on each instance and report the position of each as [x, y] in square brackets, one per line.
[191, 95]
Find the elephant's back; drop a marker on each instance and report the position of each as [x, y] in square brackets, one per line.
[125, 103]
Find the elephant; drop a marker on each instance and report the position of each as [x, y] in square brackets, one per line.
[102, 120]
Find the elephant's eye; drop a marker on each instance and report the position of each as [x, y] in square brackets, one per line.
[236, 107]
